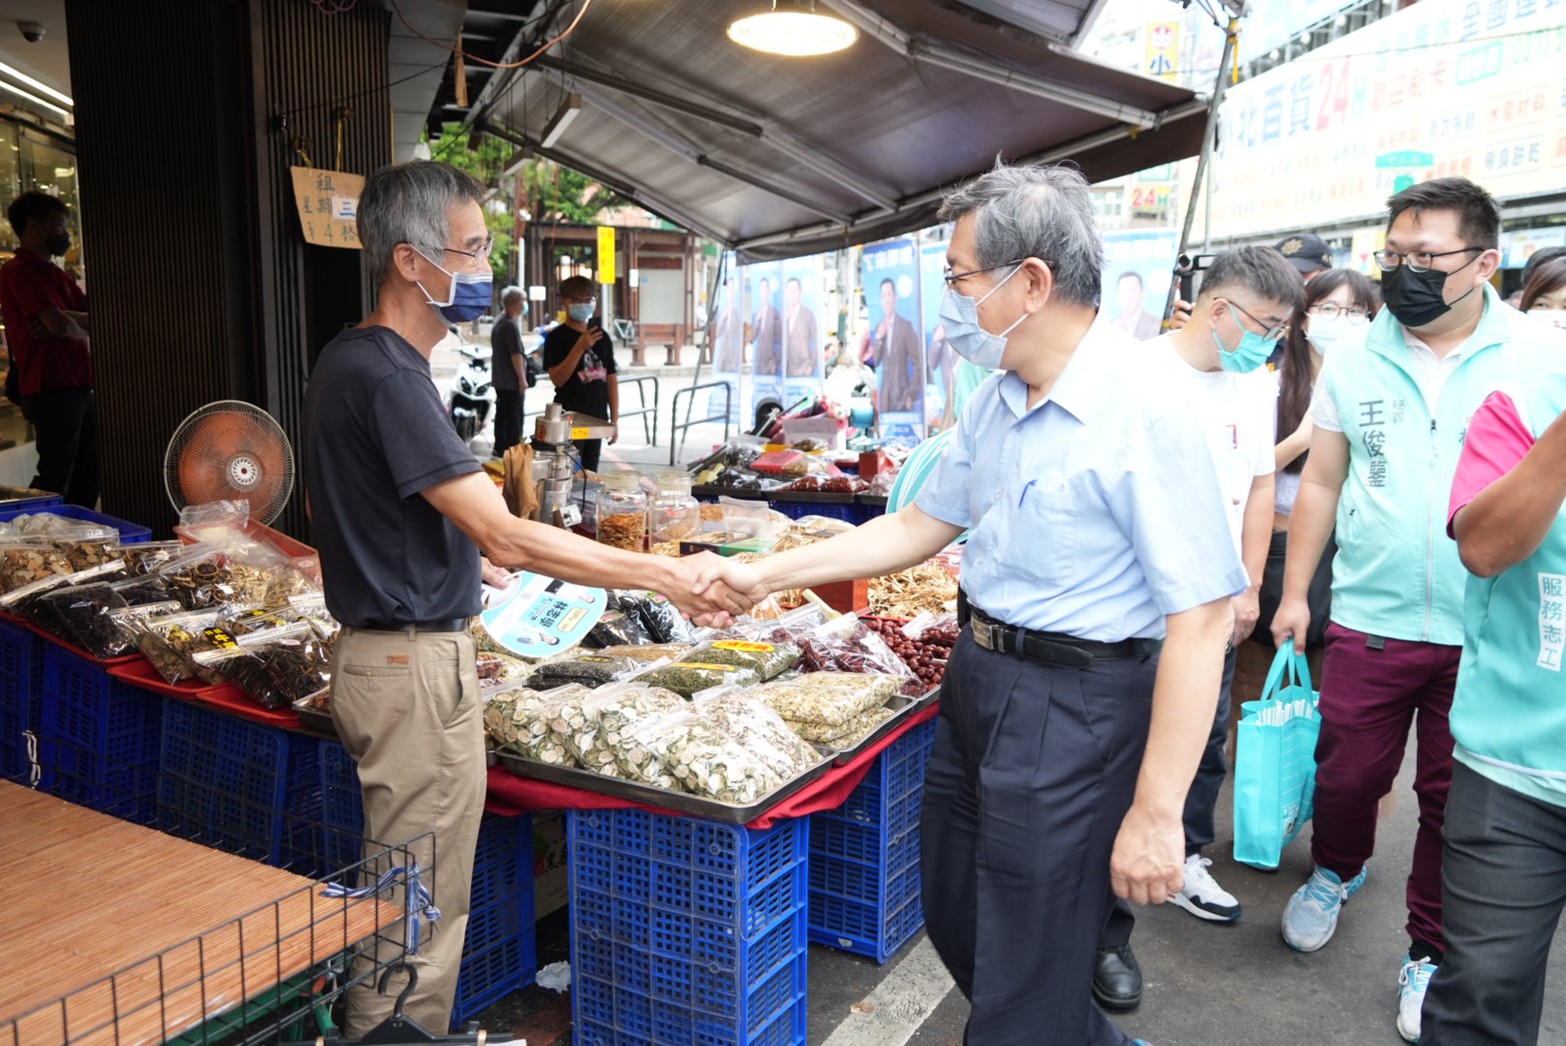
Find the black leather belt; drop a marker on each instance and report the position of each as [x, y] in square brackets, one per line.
[1052, 648]
[449, 624]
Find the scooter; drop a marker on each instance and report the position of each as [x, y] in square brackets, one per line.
[472, 394]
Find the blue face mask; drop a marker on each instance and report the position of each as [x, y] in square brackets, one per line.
[960, 317]
[469, 296]
[1253, 350]
[581, 312]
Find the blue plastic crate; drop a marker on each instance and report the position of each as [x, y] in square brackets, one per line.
[21, 697]
[130, 533]
[864, 856]
[240, 786]
[342, 812]
[97, 737]
[499, 953]
[686, 931]
[848, 512]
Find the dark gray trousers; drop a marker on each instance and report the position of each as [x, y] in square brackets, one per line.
[1033, 769]
[1503, 886]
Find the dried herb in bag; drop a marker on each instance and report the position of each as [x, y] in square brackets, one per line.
[758, 728]
[275, 668]
[703, 759]
[589, 670]
[849, 734]
[84, 612]
[691, 677]
[764, 658]
[617, 710]
[828, 699]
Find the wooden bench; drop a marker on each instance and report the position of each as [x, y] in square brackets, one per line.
[670, 335]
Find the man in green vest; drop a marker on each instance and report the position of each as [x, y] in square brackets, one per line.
[1389, 426]
[1505, 855]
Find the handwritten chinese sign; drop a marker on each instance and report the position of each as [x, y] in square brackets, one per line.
[328, 206]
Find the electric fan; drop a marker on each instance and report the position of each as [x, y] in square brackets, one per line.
[229, 451]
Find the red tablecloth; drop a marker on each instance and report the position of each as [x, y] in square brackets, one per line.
[510, 794]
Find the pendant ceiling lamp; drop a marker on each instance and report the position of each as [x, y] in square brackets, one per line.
[795, 31]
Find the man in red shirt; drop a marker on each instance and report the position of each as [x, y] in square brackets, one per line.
[45, 314]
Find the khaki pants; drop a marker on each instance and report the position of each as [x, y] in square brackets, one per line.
[407, 709]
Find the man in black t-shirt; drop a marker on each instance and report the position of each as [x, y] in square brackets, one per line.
[508, 372]
[399, 511]
[580, 359]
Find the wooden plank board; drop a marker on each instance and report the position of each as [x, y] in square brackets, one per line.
[120, 934]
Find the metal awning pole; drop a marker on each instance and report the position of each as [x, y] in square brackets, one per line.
[1230, 42]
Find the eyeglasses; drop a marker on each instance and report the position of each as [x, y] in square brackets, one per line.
[1271, 333]
[479, 255]
[951, 278]
[1418, 261]
[1327, 310]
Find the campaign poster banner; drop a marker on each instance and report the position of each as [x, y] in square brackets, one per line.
[1436, 89]
[764, 289]
[728, 342]
[1138, 267]
[940, 357]
[890, 277]
[803, 295]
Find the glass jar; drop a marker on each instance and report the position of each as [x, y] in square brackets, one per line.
[675, 514]
[622, 512]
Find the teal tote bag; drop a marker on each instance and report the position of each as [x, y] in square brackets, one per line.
[1275, 762]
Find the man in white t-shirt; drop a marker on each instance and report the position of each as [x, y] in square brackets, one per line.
[1217, 363]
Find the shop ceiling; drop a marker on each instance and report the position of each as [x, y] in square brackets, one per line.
[780, 157]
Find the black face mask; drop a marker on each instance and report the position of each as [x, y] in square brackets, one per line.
[58, 245]
[1417, 298]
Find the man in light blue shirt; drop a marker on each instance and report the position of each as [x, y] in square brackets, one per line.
[1098, 529]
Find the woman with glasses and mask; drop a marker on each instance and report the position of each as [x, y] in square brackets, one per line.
[1544, 296]
[1339, 305]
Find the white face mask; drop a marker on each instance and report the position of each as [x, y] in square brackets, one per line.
[1335, 334]
[1555, 317]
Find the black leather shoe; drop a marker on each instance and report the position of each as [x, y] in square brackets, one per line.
[1117, 979]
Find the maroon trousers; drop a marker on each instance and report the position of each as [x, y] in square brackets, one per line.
[1370, 691]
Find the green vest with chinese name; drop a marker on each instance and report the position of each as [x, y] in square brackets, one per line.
[1509, 714]
[1397, 573]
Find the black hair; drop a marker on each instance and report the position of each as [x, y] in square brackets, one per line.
[576, 287]
[887, 282]
[1134, 275]
[795, 281]
[1295, 376]
[1478, 215]
[1261, 270]
[32, 205]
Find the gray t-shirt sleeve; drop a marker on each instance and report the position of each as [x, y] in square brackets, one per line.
[421, 447]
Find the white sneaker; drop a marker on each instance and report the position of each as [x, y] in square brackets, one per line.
[1201, 895]
[1411, 985]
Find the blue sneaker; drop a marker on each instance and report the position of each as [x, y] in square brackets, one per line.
[1411, 985]
[1311, 916]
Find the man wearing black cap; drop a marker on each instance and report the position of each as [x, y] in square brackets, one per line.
[1307, 252]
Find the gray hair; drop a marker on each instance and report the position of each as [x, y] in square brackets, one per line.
[408, 203]
[1035, 212]
[509, 295]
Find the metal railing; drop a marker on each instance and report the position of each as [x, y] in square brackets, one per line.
[649, 415]
[676, 426]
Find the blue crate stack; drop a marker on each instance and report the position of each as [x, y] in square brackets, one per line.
[21, 698]
[98, 737]
[500, 952]
[240, 786]
[864, 856]
[686, 931]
